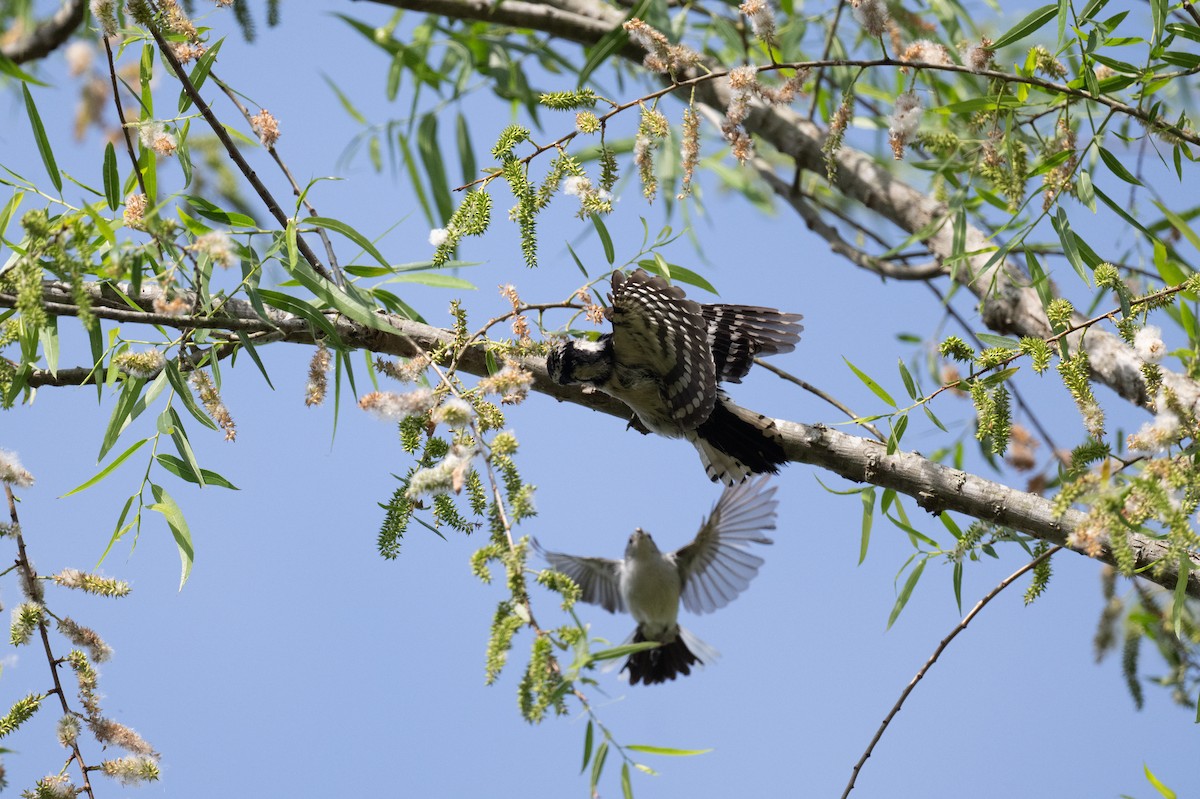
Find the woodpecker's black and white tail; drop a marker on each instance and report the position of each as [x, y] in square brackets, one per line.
[735, 443]
[660, 664]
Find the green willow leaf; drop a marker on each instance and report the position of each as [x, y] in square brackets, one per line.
[587, 746]
[43, 144]
[906, 592]
[871, 384]
[435, 169]
[348, 232]
[598, 765]
[624, 649]
[1026, 26]
[120, 415]
[107, 470]
[676, 273]
[665, 751]
[181, 470]
[112, 179]
[868, 501]
[164, 504]
[610, 254]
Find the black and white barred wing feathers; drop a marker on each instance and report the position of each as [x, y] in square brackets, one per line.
[658, 331]
[737, 334]
[598, 579]
[717, 566]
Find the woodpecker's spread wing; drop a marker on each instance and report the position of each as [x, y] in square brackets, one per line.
[716, 566]
[739, 333]
[658, 330]
[598, 578]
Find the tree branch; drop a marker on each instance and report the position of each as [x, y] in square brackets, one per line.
[235, 154]
[48, 35]
[935, 487]
[1008, 303]
[837, 244]
[962, 625]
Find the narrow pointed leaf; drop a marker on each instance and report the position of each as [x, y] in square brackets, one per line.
[906, 592]
[164, 504]
[43, 144]
[107, 470]
[871, 384]
[666, 751]
[112, 179]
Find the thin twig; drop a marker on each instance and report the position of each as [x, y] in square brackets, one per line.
[1042, 431]
[329, 253]
[791, 378]
[30, 578]
[1195, 15]
[112, 74]
[829, 36]
[235, 154]
[962, 625]
[1049, 86]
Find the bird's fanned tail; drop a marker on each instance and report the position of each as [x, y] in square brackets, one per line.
[660, 664]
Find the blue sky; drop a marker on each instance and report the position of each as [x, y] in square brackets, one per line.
[296, 661]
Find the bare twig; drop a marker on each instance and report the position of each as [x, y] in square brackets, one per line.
[329, 253]
[116, 89]
[820, 76]
[235, 154]
[1191, 9]
[962, 625]
[837, 244]
[29, 576]
[832, 400]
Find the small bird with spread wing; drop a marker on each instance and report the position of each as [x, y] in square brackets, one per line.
[666, 358]
[704, 575]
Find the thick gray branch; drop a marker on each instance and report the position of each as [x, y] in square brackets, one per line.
[935, 487]
[1007, 303]
[47, 35]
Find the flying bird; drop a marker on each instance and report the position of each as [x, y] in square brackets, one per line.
[665, 357]
[704, 575]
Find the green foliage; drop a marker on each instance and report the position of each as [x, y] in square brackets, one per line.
[1076, 374]
[569, 101]
[993, 410]
[542, 686]
[505, 624]
[1038, 351]
[25, 621]
[1059, 312]
[956, 349]
[21, 711]
[1041, 574]
[560, 584]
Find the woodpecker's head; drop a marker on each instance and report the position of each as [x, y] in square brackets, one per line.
[641, 545]
[580, 361]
